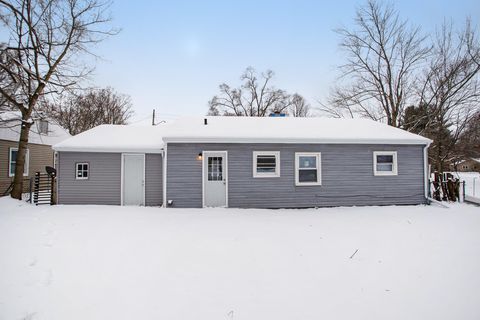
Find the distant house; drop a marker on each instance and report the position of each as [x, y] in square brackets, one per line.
[43, 134]
[244, 162]
[468, 165]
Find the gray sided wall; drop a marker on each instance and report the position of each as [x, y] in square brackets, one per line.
[153, 179]
[104, 183]
[347, 176]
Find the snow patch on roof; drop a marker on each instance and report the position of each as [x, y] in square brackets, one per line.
[10, 125]
[288, 130]
[115, 138]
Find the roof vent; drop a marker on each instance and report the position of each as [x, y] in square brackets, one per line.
[205, 121]
[277, 114]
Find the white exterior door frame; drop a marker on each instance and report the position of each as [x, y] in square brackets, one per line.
[122, 189]
[205, 155]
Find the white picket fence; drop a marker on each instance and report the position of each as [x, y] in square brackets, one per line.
[472, 186]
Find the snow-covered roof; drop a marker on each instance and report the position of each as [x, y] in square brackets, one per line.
[130, 138]
[115, 138]
[10, 123]
[288, 130]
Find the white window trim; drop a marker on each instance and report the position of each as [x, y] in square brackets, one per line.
[394, 171]
[26, 165]
[266, 174]
[318, 155]
[76, 171]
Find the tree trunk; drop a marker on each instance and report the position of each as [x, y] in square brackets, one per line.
[20, 161]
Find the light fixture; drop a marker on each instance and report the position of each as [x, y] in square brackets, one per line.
[200, 156]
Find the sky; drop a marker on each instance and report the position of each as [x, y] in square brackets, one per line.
[172, 55]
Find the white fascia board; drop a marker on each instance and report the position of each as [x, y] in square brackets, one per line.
[106, 150]
[293, 140]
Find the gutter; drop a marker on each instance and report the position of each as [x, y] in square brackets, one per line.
[106, 150]
[425, 171]
[289, 140]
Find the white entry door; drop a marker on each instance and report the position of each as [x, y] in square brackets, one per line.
[133, 179]
[215, 176]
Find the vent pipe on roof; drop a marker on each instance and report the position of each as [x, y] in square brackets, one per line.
[205, 121]
[277, 114]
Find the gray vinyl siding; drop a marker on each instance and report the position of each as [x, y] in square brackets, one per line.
[103, 184]
[347, 176]
[153, 180]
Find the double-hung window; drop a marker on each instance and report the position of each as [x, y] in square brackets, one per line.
[81, 170]
[308, 169]
[12, 162]
[385, 163]
[266, 164]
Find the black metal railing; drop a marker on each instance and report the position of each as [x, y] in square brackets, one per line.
[43, 189]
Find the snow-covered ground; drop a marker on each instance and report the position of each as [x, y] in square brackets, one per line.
[100, 262]
[472, 182]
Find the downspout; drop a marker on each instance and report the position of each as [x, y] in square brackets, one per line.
[425, 171]
[56, 165]
[164, 153]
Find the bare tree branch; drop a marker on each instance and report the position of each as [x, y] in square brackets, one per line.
[451, 89]
[378, 78]
[78, 112]
[255, 98]
[46, 38]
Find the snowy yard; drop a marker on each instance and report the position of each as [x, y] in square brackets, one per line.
[94, 262]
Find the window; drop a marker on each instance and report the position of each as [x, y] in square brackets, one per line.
[43, 127]
[215, 169]
[81, 171]
[385, 163]
[266, 164]
[13, 161]
[308, 169]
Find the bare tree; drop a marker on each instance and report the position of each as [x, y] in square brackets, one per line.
[41, 56]
[85, 110]
[468, 145]
[378, 78]
[451, 89]
[299, 106]
[254, 98]
[7, 85]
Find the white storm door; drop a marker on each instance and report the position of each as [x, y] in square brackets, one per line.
[215, 178]
[133, 179]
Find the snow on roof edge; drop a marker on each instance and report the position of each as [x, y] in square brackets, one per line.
[107, 150]
[293, 140]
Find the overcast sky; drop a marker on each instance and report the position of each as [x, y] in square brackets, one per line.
[172, 55]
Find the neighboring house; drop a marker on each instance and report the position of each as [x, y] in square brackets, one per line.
[244, 162]
[468, 165]
[43, 134]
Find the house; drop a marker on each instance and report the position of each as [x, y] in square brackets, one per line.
[467, 165]
[244, 162]
[43, 134]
